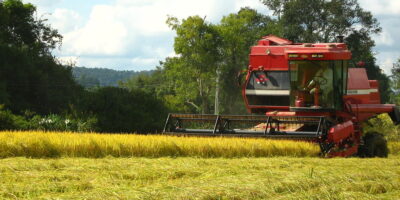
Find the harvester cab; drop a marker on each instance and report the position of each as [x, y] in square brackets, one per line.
[300, 91]
[298, 77]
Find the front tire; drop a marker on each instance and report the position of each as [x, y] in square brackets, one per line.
[375, 145]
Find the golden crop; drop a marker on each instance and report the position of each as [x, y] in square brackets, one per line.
[38, 144]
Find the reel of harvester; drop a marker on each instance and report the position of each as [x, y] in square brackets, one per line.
[259, 126]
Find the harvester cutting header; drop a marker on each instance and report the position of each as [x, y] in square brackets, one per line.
[301, 91]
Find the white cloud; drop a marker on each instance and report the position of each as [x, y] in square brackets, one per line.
[68, 60]
[101, 35]
[385, 38]
[386, 60]
[382, 7]
[252, 4]
[138, 61]
[133, 32]
[44, 3]
[65, 20]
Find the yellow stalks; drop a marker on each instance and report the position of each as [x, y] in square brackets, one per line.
[39, 144]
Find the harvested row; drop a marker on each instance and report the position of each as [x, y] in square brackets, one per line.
[36, 144]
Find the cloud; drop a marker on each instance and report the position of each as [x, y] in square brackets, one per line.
[385, 38]
[253, 4]
[65, 20]
[381, 7]
[388, 42]
[386, 60]
[44, 3]
[139, 61]
[68, 60]
[132, 33]
[103, 34]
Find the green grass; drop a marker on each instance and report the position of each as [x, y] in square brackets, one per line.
[200, 178]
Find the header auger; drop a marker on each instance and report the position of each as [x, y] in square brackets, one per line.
[300, 91]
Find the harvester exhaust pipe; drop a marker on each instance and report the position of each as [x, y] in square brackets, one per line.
[340, 39]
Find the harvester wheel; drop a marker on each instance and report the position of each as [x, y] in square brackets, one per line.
[375, 145]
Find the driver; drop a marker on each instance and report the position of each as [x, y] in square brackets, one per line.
[323, 80]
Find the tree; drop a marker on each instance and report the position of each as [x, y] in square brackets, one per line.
[239, 32]
[395, 82]
[210, 56]
[30, 77]
[194, 71]
[87, 81]
[121, 110]
[151, 82]
[323, 20]
[19, 28]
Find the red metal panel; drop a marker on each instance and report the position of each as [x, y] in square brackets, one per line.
[277, 40]
[357, 79]
[340, 131]
[307, 55]
[348, 152]
[257, 61]
[293, 114]
[357, 99]
[374, 84]
[268, 58]
[372, 108]
[374, 98]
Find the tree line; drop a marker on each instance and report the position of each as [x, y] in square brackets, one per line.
[100, 77]
[38, 92]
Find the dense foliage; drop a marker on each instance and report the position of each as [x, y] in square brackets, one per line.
[121, 110]
[395, 82]
[30, 77]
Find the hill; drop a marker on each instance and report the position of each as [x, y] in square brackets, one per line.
[92, 77]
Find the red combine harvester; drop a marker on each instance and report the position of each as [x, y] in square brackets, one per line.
[301, 92]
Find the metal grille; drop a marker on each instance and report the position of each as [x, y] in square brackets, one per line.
[246, 125]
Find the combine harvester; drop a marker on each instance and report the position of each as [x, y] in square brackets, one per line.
[301, 92]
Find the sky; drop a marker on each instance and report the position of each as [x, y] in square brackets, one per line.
[132, 34]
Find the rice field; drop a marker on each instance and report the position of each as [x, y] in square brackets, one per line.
[394, 148]
[36, 144]
[54, 165]
[188, 178]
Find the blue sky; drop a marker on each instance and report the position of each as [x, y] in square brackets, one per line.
[132, 34]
